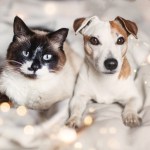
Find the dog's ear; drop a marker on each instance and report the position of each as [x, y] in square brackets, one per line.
[77, 23]
[82, 23]
[129, 26]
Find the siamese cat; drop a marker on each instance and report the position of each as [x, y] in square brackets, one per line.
[40, 67]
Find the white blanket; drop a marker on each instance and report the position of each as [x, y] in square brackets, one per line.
[38, 130]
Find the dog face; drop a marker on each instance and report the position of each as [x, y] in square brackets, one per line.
[106, 43]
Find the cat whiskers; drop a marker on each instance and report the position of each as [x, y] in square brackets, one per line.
[9, 68]
[59, 67]
[14, 61]
[14, 68]
[51, 70]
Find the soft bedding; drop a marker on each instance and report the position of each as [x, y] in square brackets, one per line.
[39, 130]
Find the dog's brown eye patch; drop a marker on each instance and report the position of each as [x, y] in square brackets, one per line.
[120, 41]
[94, 41]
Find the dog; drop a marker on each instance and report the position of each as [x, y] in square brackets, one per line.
[106, 75]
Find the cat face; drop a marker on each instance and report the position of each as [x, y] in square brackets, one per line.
[35, 53]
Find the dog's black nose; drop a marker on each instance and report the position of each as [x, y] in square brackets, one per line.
[111, 64]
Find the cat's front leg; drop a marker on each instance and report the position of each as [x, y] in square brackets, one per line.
[130, 113]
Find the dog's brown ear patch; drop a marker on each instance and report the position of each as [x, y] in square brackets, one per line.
[129, 26]
[116, 26]
[87, 49]
[125, 70]
[77, 23]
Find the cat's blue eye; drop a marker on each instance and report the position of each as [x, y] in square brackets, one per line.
[47, 57]
[25, 53]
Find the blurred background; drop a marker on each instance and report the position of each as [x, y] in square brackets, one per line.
[55, 14]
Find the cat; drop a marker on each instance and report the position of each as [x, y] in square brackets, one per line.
[40, 67]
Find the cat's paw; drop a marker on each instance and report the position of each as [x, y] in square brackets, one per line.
[74, 122]
[131, 119]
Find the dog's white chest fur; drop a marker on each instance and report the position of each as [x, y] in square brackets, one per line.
[35, 93]
[108, 90]
[105, 88]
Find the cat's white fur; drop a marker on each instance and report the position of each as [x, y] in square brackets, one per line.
[44, 91]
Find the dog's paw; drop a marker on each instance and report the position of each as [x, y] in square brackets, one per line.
[131, 119]
[74, 122]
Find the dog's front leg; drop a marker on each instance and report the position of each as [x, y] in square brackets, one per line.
[77, 107]
[82, 94]
[130, 112]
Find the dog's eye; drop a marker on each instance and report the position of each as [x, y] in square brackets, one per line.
[94, 41]
[25, 53]
[120, 41]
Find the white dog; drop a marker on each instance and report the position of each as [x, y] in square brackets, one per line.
[106, 74]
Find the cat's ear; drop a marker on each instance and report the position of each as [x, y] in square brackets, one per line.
[20, 28]
[58, 36]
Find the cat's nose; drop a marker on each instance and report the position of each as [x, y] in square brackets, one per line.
[34, 67]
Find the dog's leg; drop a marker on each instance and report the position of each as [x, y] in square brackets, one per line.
[130, 112]
[82, 94]
[77, 107]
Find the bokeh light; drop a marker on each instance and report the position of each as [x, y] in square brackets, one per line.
[67, 135]
[50, 9]
[91, 109]
[28, 130]
[103, 130]
[5, 107]
[78, 145]
[112, 130]
[88, 120]
[21, 111]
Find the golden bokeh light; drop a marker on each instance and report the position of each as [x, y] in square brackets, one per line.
[5, 107]
[67, 135]
[88, 120]
[21, 111]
